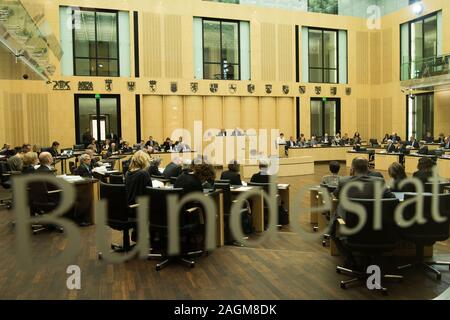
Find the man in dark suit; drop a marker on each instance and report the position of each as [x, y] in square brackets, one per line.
[84, 170]
[326, 140]
[395, 138]
[112, 137]
[173, 169]
[54, 149]
[222, 133]
[232, 174]
[391, 146]
[429, 138]
[46, 160]
[446, 144]
[413, 143]
[423, 148]
[262, 176]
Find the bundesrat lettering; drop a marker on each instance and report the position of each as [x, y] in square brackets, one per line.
[68, 255]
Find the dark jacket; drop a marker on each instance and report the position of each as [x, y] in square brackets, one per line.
[83, 171]
[423, 175]
[423, 150]
[414, 144]
[260, 178]
[391, 148]
[189, 183]
[43, 169]
[28, 170]
[172, 170]
[407, 188]
[429, 139]
[136, 183]
[234, 177]
[154, 171]
[368, 191]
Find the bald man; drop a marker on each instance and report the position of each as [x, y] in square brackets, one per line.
[46, 160]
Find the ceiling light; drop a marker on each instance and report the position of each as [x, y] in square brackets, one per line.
[418, 8]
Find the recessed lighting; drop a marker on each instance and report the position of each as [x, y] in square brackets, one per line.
[418, 8]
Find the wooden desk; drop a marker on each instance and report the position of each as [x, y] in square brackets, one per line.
[411, 162]
[352, 155]
[384, 160]
[256, 205]
[444, 167]
[321, 153]
[166, 157]
[433, 146]
[288, 167]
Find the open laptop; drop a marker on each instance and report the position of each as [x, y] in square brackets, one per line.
[67, 153]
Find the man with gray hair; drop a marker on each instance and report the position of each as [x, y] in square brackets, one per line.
[173, 169]
[46, 160]
[84, 170]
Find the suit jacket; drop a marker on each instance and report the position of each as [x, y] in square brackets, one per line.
[429, 139]
[414, 144]
[172, 170]
[376, 174]
[290, 144]
[189, 183]
[83, 171]
[234, 177]
[423, 150]
[446, 146]
[391, 148]
[260, 178]
[44, 169]
[368, 191]
[28, 170]
[423, 175]
[154, 171]
[112, 137]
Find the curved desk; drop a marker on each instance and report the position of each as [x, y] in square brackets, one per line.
[412, 160]
[444, 167]
[321, 153]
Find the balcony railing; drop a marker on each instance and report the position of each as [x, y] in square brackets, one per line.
[425, 68]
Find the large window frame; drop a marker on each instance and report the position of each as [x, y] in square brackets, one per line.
[323, 102]
[96, 57]
[323, 11]
[235, 65]
[323, 68]
[410, 114]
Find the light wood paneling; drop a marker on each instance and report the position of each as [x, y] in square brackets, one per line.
[387, 56]
[231, 112]
[37, 114]
[193, 111]
[376, 117]
[387, 116]
[268, 51]
[250, 113]
[173, 46]
[286, 65]
[375, 54]
[153, 118]
[14, 118]
[286, 116]
[212, 113]
[362, 118]
[362, 57]
[173, 116]
[151, 39]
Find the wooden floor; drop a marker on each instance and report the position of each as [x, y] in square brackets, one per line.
[287, 267]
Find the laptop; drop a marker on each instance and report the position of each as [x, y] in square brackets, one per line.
[67, 153]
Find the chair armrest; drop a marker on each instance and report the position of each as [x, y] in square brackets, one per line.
[341, 222]
[54, 191]
[134, 206]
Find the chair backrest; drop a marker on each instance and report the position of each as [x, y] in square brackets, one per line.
[116, 179]
[226, 189]
[116, 196]
[72, 167]
[367, 237]
[4, 168]
[223, 181]
[158, 205]
[431, 231]
[441, 186]
[173, 180]
[79, 147]
[265, 186]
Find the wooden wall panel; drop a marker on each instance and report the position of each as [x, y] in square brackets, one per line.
[362, 57]
[250, 113]
[151, 40]
[376, 119]
[212, 113]
[173, 46]
[38, 122]
[193, 111]
[387, 56]
[231, 112]
[268, 52]
[362, 117]
[153, 118]
[286, 116]
[14, 118]
[387, 117]
[173, 116]
[286, 65]
[375, 55]
[441, 113]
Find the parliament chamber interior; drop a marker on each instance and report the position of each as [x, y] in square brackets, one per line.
[224, 150]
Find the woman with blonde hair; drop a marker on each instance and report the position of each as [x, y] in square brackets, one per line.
[30, 159]
[137, 177]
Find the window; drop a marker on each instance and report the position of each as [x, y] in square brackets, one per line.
[95, 43]
[420, 46]
[323, 56]
[221, 52]
[323, 6]
[325, 117]
[420, 115]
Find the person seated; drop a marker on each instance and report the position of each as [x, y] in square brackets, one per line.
[423, 148]
[94, 160]
[173, 169]
[291, 143]
[263, 175]
[54, 149]
[232, 174]
[30, 161]
[106, 145]
[386, 138]
[222, 133]
[395, 138]
[46, 161]
[126, 148]
[167, 145]
[425, 170]
[390, 148]
[301, 142]
[154, 168]
[429, 138]
[207, 175]
[346, 139]
[84, 170]
[281, 140]
[5, 151]
[337, 140]
[180, 146]
[326, 140]
[87, 137]
[333, 179]
[397, 173]
[412, 143]
[357, 139]
[441, 138]
[236, 133]
[446, 144]
[15, 161]
[137, 178]
[188, 181]
[92, 146]
[313, 142]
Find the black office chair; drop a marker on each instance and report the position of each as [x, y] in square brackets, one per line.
[330, 189]
[222, 181]
[42, 200]
[369, 242]
[72, 167]
[189, 229]
[116, 179]
[79, 147]
[161, 178]
[120, 214]
[266, 187]
[173, 180]
[5, 182]
[246, 218]
[441, 187]
[428, 233]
